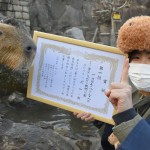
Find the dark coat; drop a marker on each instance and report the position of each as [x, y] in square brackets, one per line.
[142, 125]
[139, 137]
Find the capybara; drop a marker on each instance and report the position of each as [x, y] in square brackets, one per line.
[17, 51]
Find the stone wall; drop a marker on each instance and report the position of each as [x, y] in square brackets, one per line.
[18, 9]
[58, 16]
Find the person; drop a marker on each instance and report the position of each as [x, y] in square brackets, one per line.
[132, 121]
[132, 130]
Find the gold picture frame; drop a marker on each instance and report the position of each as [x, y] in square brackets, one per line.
[72, 74]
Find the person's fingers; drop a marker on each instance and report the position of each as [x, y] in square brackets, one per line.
[90, 119]
[115, 96]
[117, 86]
[120, 86]
[124, 77]
[107, 92]
[86, 115]
[117, 93]
[80, 115]
[75, 113]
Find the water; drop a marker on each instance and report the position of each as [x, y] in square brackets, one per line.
[46, 116]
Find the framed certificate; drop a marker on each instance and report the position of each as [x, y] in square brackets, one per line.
[73, 75]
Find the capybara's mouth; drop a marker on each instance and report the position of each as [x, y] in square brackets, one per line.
[26, 62]
[16, 59]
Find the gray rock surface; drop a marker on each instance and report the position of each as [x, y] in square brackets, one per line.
[75, 33]
[30, 131]
[22, 137]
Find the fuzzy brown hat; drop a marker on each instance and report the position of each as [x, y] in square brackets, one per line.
[134, 34]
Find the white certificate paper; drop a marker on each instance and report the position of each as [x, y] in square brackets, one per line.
[74, 75]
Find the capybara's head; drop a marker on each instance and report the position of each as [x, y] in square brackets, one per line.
[17, 48]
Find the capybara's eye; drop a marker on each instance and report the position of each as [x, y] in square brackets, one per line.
[1, 32]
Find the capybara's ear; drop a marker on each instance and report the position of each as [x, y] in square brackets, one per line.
[18, 24]
[11, 21]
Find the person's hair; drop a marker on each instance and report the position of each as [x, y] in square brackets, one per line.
[132, 54]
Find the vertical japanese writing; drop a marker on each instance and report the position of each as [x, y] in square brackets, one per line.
[73, 77]
[87, 79]
[70, 69]
[82, 82]
[76, 61]
[47, 74]
[67, 75]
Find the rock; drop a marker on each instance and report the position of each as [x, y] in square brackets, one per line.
[12, 81]
[23, 137]
[30, 136]
[75, 33]
[57, 16]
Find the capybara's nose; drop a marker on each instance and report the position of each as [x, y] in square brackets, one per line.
[30, 48]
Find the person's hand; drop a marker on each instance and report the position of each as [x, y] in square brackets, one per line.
[84, 116]
[114, 140]
[120, 94]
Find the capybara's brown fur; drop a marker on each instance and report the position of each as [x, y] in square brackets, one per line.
[17, 48]
[17, 51]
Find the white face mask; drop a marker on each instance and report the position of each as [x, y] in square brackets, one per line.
[140, 76]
